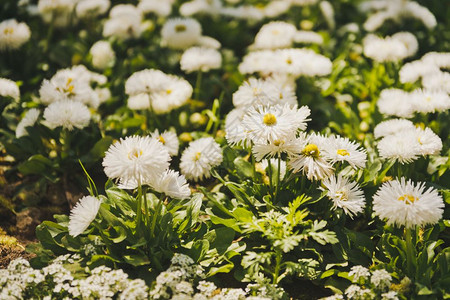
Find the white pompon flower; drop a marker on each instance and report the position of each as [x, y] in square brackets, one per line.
[82, 215]
[139, 102]
[200, 59]
[169, 139]
[160, 8]
[91, 8]
[391, 295]
[9, 88]
[310, 161]
[135, 160]
[404, 203]
[341, 149]
[304, 36]
[273, 35]
[391, 127]
[430, 101]
[124, 22]
[357, 272]
[172, 184]
[198, 159]
[437, 81]
[68, 114]
[392, 48]
[29, 119]
[13, 34]
[396, 102]
[429, 142]
[235, 132]
[103, 55]
[270, 149]
[403, 147]
[344, 194]
[181, 33]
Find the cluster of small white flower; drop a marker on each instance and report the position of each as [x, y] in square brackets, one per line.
[55, 281]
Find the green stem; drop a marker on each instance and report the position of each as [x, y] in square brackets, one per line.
[277, 266]
[139, 208]
[277, 188]
[198, 85]
[147, 215]
[409, 252]
[270, 178]
[155, 215]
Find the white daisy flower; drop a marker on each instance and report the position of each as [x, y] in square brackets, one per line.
[57, 12]
[391, 127]
[391, 48]
[357, 272]
[172, 94]
[275, 122]
[9, 88]
[169, 139]
[299, 62]
[235, 133]
[439, 59]
[172, 184]
[160, 8]
[124, 22]
[263, 92]
[395, 102]
[103, 56]
[136, 159]
[257, 61]
[340, 149]
[403, 147]
[309, 37]
[29, 119]
[91, 8]
[437, 81]
[429, 142]
[181, 33]
[68, 114]
[13, 34]
[139, 101]
[310, 160]
[404, 203]
[412, 71]
[144, 81]
[272, 149]
[198, 159]
[429, 101]
[345, 194]
[82, 215]
[200, 59]
[273, 35]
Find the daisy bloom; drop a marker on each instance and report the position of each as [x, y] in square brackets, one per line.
[82, 215]
[29, 119]
[404, 203]
[92, 8]
[392, 126]
[235, 133]
[136, 160]
[273, 35]
[275, 122]
[271, 149]
[309, 37]
[67, 114]
[13, 34]
[169, 139]
[9, 88]
[139, 102]
[310, 159]
[345, 194]
[412, 71]
[200, 59]
[124, 22]
[160, 8]
[437, 81]
[199, 158]
[429, 142]
[172, 184]
[430, 101]
[395, 102]
[181, 33]
[403, 147]
[341, 149]
[103, 55]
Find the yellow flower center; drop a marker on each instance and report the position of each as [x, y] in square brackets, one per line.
[180, 28]
[269, 119]
[162, 140]
[278, 142]
[135, 153]
[342, 195]
[69, 87]
[289, 61]
[275, 32]
[311, 150]
[197, 156]
[428, 99]
[343, 152]
[8, 31]
[408, 199]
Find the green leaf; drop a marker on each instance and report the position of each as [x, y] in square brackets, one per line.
[36, 164]
[136, 259]
[243, 215]
[243, 167]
